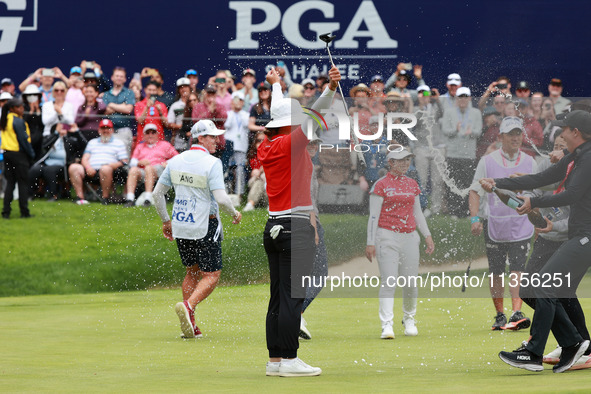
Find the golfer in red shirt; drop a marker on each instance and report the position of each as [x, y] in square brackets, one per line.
[394, 214]
[289, 236]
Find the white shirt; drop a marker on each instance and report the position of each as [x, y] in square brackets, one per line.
[237, 129]
[50, 117]
[193, 174]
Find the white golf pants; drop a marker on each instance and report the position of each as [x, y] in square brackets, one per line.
[398, 259]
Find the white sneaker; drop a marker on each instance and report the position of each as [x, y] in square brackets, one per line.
[554, 356]
[387, 331]
[248, 207]
[297, 367]
[582, 363]
[272, 368]
[304, 333]
[410, 330]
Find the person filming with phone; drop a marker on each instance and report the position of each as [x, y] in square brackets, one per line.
[150, 110]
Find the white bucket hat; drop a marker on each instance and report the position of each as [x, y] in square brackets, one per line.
[286, 112]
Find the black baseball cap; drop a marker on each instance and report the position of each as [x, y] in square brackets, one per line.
[578, 119]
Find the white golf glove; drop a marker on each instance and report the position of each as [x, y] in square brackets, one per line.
[275, 230]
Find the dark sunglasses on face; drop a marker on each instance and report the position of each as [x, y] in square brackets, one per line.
[150, 131]
[260, 140]
[309, 87]
[59, 90]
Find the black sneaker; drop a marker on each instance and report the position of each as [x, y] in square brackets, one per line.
[523, 358]
[569, 356]
[129, 204]
[517, 321]
[500, 321]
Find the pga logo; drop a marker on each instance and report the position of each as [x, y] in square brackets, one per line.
[11, 26]
[366, 16]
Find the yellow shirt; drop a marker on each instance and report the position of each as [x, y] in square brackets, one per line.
[9, 140]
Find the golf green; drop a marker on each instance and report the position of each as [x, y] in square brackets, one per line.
[129, 342]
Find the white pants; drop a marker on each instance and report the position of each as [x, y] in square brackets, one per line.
[398, 256]
[126, 135]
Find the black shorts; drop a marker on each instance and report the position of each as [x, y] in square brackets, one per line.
[497, 253]
[204, 252]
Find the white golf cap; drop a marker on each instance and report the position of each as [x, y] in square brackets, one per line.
[399, 154]
[150, 126]
[463, 91]
[454, 79]
[32, 89]
[183, 82]
[511, 123]
[286, 112]
[238, 94]
[423, 88]
[205, 127]
[5, 96]
[307, 81]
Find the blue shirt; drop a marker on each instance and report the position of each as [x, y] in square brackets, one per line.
[125, 96]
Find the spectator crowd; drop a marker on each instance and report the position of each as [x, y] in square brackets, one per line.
[109, 137]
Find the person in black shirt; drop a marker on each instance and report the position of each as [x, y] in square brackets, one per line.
[571, 261]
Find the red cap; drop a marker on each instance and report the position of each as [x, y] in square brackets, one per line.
[106, 123]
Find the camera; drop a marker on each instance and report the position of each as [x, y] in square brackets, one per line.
[220, 80]
[89, 64]
[48, 72]
[501, 86]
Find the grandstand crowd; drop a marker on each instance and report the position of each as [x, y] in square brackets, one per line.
[106, 137]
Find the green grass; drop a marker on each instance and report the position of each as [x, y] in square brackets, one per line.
[68, 249]
[129, 342]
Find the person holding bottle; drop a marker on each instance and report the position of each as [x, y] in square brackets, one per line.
[572, 260]
[506, 233]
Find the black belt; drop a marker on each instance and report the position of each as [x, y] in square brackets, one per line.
[290, 216]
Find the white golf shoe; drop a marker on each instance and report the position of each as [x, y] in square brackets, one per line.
[554, 356]
[304, 333]
[410, 329]
[272, 368]
[387, 331]
[296, 368]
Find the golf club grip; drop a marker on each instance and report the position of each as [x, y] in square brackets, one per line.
[465, 280]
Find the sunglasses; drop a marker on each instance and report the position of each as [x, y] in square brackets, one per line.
[309, 87]
[401, 79]
[150, 131]
[260, 140]
[59, 90]
[463, 95]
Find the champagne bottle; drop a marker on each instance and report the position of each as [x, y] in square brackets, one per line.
[537, 219]
[508, 198]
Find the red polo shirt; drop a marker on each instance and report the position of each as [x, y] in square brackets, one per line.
[288, 169]
[155, 118]
[399, 194]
